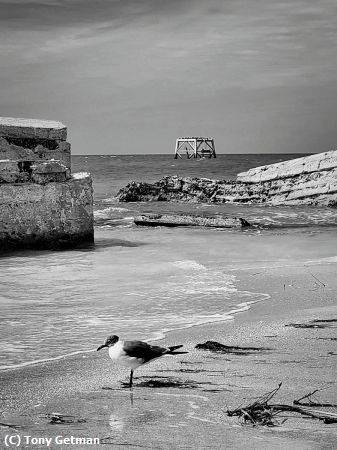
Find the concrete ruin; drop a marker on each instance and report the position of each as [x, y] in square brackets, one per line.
[42, 204]
[311, 180]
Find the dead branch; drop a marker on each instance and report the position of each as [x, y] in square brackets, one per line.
[267, 397]
[317, 279]
[327, 417]
[261, 412]
[313, 403]
[297, 402]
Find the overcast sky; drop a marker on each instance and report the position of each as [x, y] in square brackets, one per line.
[130, 76]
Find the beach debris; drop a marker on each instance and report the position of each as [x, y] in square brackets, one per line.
[182, 220]
[9, 425]
[161, 382]
[214, 346]
[197, 370]
[56, 418]
[312, 402]
[258, 412]
[318, 282]
[112, 440]
[261, 412]
[324, 338]
[315, 323]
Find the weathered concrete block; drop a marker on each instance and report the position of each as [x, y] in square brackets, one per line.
[61, 152]
[35, 150]
[32, 128]
[41, 172]
[49, 171]
[41, 205]
[13, 172]
[46, 216]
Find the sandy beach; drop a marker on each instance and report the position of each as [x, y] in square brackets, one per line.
[168, 174]
[83, 396]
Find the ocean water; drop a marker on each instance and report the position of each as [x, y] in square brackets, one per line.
[140, 282]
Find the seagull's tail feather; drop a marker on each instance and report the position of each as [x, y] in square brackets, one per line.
[175, 347]
[172, 350]
[176, 353]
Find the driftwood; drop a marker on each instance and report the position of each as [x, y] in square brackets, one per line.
[311, 402]
[315, 323]
[214, 346]
[261, 412]
[179, 220]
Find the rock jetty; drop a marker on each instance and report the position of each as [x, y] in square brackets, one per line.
[311, 180]
[42, 205]
[179, 220]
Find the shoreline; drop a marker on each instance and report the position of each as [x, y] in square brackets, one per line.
[162, 335]
[88, 386]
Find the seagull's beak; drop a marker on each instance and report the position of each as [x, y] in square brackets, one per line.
[102, 346]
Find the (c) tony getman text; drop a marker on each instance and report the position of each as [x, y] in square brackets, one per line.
[16, 440]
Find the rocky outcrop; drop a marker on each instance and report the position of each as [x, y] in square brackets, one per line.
[310, 180]
[42, 205]
[320, 162]
[179, 220]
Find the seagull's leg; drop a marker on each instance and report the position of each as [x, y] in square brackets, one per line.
[131, 376]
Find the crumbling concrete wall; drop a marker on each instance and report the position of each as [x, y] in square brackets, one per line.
[33, 140]
[41, 204]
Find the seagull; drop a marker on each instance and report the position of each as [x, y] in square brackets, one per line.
[135, 353]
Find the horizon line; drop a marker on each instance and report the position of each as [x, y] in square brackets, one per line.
[172, 154]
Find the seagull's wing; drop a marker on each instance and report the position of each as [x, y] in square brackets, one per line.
[142, 350]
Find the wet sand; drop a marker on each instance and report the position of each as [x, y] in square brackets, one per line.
[82, 396]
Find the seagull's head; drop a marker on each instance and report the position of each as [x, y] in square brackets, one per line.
[110, 341]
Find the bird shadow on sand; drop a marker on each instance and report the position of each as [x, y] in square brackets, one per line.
[170, 382]
[161, 382]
